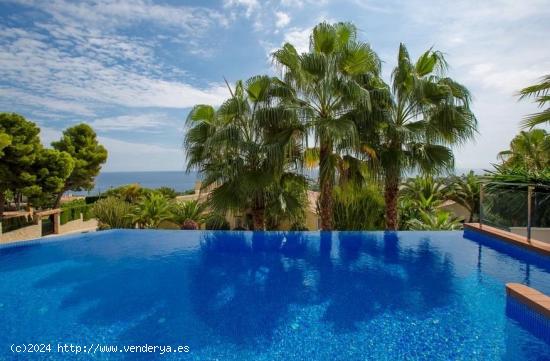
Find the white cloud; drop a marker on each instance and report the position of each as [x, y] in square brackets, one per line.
[299, 4]
[139, 122]
[88, 70]
[130, 156]
[495, 49]
[283, 19]
[249, 5]
[115, 13]
[299, 37]
[10, 97]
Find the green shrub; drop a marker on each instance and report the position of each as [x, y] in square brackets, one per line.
[87, 213]
[358, 208]
[151, 210]
[92, 199]
[434, 221]
[216, 222]
[74, 203]
[188, 211]
[73, 213]
[12, 224]
[167, 192]
[112, 212]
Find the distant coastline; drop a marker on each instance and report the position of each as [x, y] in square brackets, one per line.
[178, 180]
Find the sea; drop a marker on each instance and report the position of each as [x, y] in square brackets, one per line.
[178, 180]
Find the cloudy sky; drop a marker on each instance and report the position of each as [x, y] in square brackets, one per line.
[133, 68]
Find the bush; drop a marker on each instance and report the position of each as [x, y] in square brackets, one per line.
[12, 224]
[74, 203]
[71, 211]
[298, 227]
[112, 212]
[216, 222]
[92, 199]
[358, 208]
[167, 192]
[188, 211]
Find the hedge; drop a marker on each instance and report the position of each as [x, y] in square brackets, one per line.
[73, 213]
[11, 224]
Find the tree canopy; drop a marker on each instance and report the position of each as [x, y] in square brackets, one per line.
[529, 150]
[19, 155]
[540, 92]
[52, 168]
[421, 116]
[80, 142]
[42, 174]
[326, 92]
[249, 149]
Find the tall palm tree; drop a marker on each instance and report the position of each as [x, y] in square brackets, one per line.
[248, 148]
[326, 91]
[541, 93]
[422, 115]
[465, 190]
[529, 150]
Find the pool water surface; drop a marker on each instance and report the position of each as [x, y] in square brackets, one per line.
[269, 296]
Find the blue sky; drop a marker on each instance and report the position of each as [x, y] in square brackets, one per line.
[133, 68]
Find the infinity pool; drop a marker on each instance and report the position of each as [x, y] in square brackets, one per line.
[267, 296]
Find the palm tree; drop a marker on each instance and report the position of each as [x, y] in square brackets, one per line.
[428, 221]
[465, 190]
[421, 116]
[188, 215]
[529, 150]
[541, 93]
[326, 91]
[151, 211]
[248, 148]
[424, 187]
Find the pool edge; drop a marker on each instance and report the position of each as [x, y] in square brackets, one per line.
[530, 297]
[534, 245]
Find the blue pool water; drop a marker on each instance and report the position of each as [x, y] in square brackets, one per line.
[270, 296]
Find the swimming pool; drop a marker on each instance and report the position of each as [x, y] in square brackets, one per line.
[268, 296]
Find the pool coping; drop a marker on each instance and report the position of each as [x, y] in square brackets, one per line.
[530, 297]
[533, 244]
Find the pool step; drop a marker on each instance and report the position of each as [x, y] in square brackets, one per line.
[532, 298]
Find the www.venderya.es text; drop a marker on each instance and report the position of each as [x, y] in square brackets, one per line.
[96, 348]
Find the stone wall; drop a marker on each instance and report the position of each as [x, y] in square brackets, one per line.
[78, 225]
[35, 231]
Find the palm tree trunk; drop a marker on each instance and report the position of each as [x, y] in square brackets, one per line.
[391, 193]
[326, 181]
[258, 218]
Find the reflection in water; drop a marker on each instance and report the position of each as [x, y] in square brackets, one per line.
[240, 287]
[243, 296]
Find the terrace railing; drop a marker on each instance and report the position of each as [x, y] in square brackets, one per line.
[523, 209]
